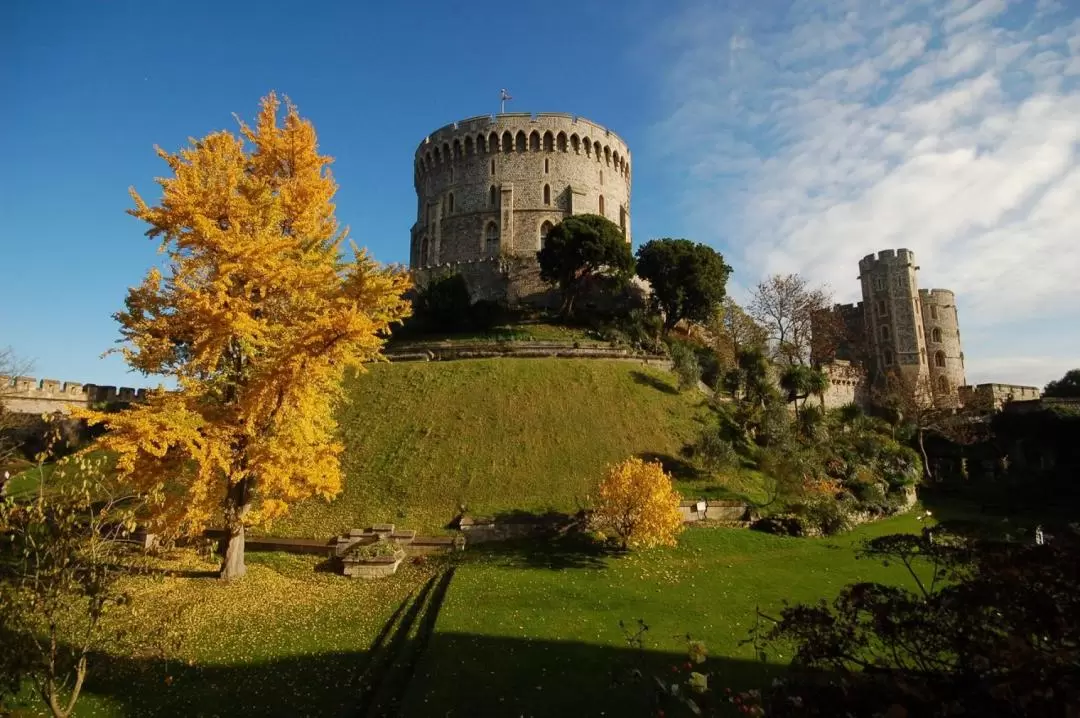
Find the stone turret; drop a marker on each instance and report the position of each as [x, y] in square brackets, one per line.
[892, 313]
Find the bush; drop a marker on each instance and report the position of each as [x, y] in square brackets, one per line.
[685, 365]
[443, 305]
[639, 505]
[825, 514]
[636, 329]
[485, 314]
[717, 452]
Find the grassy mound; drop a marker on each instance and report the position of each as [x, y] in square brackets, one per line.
[496, 435]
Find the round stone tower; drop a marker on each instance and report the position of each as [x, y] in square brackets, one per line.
[941, 327]
[493, 186]
[891, 309]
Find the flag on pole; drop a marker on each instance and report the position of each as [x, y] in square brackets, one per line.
[504, 95]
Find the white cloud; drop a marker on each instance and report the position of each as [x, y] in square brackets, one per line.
[863, 125]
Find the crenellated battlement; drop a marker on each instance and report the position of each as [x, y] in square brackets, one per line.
[938, 295]
[28, 395]
[894, 257]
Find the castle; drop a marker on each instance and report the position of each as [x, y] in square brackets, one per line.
[898, 327]
[490, 188]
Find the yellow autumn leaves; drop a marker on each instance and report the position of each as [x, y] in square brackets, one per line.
[638, 504]
[256, 320]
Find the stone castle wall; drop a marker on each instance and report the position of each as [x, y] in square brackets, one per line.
[992, 397]
[27, 395]
[515, 280]
[492, 186]
[848, 384]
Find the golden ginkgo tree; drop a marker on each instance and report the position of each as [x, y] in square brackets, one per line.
[255, 317]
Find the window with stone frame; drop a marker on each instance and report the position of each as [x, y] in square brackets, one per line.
[882, 308]
[939, 359]
[935, 335]
[491, 239]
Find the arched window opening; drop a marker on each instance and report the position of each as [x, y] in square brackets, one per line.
[493, 167]
[546, 166]
[450, 203]
[884, 331]
[457, 148]
[601, 178]
[438, 156]
[935, 335]
[607, 156]
[943, 384]
[939, 359]
[561, 142]
[933, 311]
[549, 142]
[599, 152]
[493, 197]
[622, 219]
[493, 143]
[601, 205]
[587, 144]
[491, 239]
[451, 173]
[575, 143]
[520, 141]
[534, 141]
[424, 252]
[468, 146]
[545, 230]
[507, 142]
[446, 151]
[547, 194]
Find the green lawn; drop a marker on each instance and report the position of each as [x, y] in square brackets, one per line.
[539, 630]
[524, 629]
[421, 439]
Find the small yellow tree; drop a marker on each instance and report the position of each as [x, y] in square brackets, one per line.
[256, 318]
[639, 505]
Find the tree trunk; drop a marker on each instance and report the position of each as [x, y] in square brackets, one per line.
[233, 566]
[925, 458]
[237, 503]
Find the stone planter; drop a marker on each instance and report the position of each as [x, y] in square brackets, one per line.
[376, 567]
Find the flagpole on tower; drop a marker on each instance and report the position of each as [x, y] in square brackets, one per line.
[503, 97]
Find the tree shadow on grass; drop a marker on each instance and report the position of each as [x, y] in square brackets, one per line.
[679, 468]
[454, 674]
[324, 684]
[649, 380]
[535, 677]
[573, 551]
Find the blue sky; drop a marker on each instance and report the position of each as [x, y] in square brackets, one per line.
[793, 136]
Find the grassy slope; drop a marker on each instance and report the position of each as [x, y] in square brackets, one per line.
[541, 632]
[497, 435]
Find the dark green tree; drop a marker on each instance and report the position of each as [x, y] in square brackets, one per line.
[688, 280]
[585, 251]
[1066, 386]
[800, 382]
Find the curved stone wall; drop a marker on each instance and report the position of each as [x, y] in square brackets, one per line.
[491, 186]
